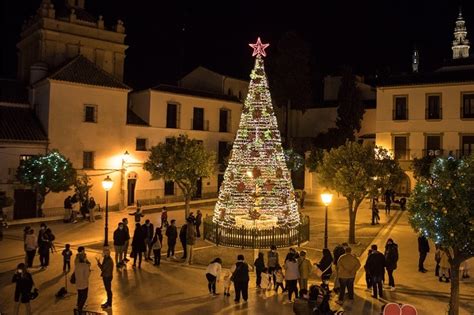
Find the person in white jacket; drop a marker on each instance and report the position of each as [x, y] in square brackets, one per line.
[81, 273]
[213, 272]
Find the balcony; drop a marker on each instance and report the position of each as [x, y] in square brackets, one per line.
[434, 152]
[400, 114]
[199, 124]
[401, 154]
[433, 114]
[462, 153]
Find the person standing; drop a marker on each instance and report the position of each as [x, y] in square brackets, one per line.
[376, 266]
[240, 277]
[138, 215]
[172, 235]
[127, 239]
[273, 262]
[182, 238]
[31, 244]
[81, 273]
[198, 223]
[67, 254]
[292, 275]
[23, 286]
[164, 218]
[138, 245]
[91, 206]
[445, 267]
[325, 266]
[388, 201]
[190, 241]
[156, 245]
[67, 210]
[259, 267]
[423, 249]
[44, 245]
[305, 269]
[347, 266]
[375, 212]
[120, 237]
[107, 272]
[391, 259]
[148, 232]
[338, 251]
[213, 272]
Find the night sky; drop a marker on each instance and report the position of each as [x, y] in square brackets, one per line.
[371, 36]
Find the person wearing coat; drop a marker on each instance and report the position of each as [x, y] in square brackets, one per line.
[391, 259]
[138, 245]
[172, 235]
[148, 230]
[444, 267]
[107, 271]
[423, 249]
[81, 273]
[190, 240]
[347, 267]
[31, 244]
[198, 223]
[23, 286]
[376, 266]
[292, 275]
[240, 277]
[182, 238]
[259, 267]
[156, 244]
[325, 266]
[305, 269]
[120, 237]
[273, 262]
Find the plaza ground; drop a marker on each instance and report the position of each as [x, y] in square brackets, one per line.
[174, 288]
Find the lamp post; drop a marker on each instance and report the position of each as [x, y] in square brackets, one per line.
[326, 197]
[107, 184]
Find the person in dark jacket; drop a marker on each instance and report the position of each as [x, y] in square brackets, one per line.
[259, 267]
[182, 238]
[138, 215]
[120, 237]
[273, 262]
[391, 259]
[127, 239]
[325, 266]
[388, 201]
[198, 223]
[172, 234]
[107, 271]
[423, 249]
[138, 245]
[24, 285]
[44, 245]
[376, 266]
[148, 230]
[240, 277]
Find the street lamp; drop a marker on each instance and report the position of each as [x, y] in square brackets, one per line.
[125, 157]
[326, 197]
[107, 184]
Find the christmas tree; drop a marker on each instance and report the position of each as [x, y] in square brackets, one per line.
[257, 191]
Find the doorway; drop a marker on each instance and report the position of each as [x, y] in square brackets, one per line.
[131, 183]
[25, 204]
[198, 193]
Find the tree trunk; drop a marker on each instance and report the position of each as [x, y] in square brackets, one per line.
[187, 206]
[351, 222]
[454, 298]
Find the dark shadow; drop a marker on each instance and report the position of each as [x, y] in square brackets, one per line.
[51, 282]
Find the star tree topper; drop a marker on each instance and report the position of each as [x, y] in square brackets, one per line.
[259, 48]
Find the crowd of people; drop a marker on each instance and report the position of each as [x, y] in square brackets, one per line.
[73, 205]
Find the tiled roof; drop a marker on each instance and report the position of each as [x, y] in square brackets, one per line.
[134, 119]
[185, 91]
[81, 70]
[13, 91]
[20, 124]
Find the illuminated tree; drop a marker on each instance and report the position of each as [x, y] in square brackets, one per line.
[52, 172]
[183, 161]
[257, 182]
[82, 187]
[442, 208]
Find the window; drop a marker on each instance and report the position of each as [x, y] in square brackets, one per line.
[468, 106]
[467, 143]
[87, 160]
[433, 145]
[198, 118]
[224, 120]
[172, 115]
[223, 152]
[140, 144]
[400, 147]
[400, 109]
[220, 180]
[169, 188]
[229, 92]
[25, 157]
[90, 113]
[433, 107]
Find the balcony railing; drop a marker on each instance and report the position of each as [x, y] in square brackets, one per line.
[434, 152]
[199, 124]
[462, 153]
[399, 154]
[431, 114]
[400, 115]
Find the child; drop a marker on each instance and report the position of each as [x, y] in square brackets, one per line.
[67, 253]
[227, 283]
[266, 282]
[279, 279]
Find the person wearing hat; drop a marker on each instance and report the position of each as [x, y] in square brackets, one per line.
[107, 270]
[24, 285]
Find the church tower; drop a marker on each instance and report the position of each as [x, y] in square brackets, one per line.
[415, 61]
[460, 43]
[55, 35]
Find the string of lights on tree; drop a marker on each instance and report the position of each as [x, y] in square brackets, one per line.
[257, 183]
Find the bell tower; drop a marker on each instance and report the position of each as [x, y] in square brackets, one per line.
[460, 43]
